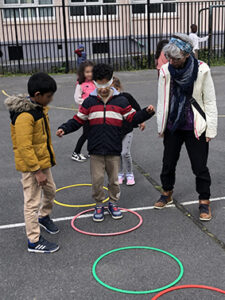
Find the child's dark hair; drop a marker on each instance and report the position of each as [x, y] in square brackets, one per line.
[117, 83]
[194, 28]
[161, 44]
[102, 71]
[41, 82]
[81, 69]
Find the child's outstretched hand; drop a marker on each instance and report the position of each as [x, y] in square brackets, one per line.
[150, 109]
[60, 133]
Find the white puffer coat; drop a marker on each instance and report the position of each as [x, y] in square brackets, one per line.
[204, 94]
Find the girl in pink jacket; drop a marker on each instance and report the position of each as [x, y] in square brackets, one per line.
[84, 87]
[160, 58]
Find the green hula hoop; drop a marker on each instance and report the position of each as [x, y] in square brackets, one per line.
[137, 292]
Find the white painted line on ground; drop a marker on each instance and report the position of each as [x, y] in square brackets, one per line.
[8, 226]
[62, 108]
[12, 225]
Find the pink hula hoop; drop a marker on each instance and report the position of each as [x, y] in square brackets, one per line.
[106, 234]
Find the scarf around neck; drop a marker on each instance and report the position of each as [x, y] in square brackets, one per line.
[183, 86]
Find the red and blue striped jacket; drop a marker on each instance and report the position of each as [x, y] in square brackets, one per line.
[105, 122]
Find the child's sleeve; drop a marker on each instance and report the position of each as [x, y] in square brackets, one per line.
[136, 117]
[77, 51]
[76, 122]
[78, 95]
[24, 128]
[203, 39]
[141, 116]
[132, 101]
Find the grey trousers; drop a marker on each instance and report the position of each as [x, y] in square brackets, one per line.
[126, 166]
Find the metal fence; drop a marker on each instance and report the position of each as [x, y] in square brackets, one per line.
[124, 35]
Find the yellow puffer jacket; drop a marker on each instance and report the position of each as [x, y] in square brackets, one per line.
[30, 133]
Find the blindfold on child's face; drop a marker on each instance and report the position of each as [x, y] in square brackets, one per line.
[103, 86]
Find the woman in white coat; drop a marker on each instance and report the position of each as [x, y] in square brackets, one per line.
[186, 114]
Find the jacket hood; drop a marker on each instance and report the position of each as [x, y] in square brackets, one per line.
[19, 103]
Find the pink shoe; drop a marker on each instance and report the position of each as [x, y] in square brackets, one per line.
[121, 178]
[130, 179]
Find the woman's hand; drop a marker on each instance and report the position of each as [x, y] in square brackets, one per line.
[208, 140]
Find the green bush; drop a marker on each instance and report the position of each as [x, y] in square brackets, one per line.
[215, 58]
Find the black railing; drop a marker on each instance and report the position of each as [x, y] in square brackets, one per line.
[124, 35]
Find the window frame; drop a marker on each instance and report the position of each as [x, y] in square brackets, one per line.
[97, 17]
[154, 14]
[35, 5]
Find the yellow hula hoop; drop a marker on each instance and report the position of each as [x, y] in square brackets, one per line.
[4, 93]
[77, 205]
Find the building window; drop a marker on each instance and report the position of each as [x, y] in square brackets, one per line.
[45, 11]
[26, 1]
[11, 13]
[138, 8]
[169, 7]
[156, 6]
[15, 52]
[28, 12]
[100, 48]
[27, 9]
[77, 10]
[109, 9]
[11, 1]
[92, 8]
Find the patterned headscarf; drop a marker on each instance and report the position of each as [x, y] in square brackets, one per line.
[184, 46]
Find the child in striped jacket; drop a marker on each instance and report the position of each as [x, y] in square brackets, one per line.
[105, 109]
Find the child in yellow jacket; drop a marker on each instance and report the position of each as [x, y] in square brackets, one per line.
[34, 157]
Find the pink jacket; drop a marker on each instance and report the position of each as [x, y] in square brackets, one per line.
[83, 90]
[162, 60]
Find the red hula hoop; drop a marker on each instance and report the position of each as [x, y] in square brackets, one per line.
[180, 287]
[106, 234]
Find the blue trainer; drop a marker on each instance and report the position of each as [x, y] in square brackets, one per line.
[98, 215]
[114, 211]
[42, 246]
[48, 225]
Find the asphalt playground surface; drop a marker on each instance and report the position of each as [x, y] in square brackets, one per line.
[67, 274]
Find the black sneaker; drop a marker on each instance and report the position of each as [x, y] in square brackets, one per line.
[77, 157]
[42, 246]
[48, 225]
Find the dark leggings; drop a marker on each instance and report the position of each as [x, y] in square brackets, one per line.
[198, 155]
[82, 138]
